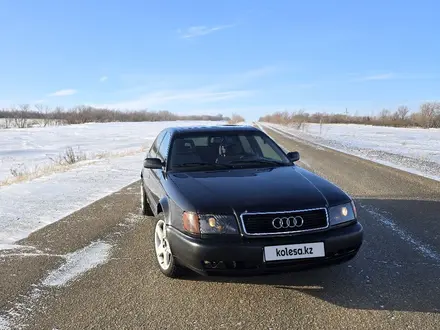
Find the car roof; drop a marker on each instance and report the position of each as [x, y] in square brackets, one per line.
[212, 129]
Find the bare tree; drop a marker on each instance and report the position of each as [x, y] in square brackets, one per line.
[402, 112]
[44, 111]
[384, 114]
[428, 116]
[436, 114]
[428, 111]
[8, 122]
[6, 116]
[20, 115]
[57, 114]
[236, 118]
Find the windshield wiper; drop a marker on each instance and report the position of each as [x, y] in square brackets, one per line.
[258, 161]
[201, 164]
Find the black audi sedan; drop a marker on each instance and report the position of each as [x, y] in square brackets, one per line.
[229, 200]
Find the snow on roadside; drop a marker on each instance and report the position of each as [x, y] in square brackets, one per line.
[28, 206]
[413, 150]
[78, 263]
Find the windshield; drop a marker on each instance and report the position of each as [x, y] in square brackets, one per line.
[224, 150]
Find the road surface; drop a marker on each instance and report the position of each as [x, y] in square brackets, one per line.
[393, 283]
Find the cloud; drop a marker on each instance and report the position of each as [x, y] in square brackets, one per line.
[39, 101]
[167, 97]
[103, 78]
[198, 31]
[255, 73]
[383, 76]
[136, 83]
[64, 92]
[173, 92]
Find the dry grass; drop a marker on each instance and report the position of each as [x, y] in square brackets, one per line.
[64, 162]
[28, 174]
[69, 157]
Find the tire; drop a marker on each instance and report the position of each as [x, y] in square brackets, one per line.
[164, 257]
[145, 207]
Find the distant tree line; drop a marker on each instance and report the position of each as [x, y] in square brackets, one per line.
[428, 116]
[21, 116]
[235, 119]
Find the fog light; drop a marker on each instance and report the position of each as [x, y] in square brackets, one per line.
[211, 264]
[212, 222]
[344, 211]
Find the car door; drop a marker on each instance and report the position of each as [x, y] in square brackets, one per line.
[148, 175]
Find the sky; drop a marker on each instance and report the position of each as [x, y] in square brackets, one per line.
[250, 57]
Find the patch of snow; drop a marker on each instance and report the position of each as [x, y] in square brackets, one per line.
[15, 316]
[75, 265]
[388, 222]
[413, 150]
[4, 324]
[78, 263]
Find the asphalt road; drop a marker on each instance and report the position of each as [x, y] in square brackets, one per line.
[393, 283]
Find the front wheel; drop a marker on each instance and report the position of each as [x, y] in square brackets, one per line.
[164, 256]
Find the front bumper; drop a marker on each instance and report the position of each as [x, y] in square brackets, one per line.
[246, 255]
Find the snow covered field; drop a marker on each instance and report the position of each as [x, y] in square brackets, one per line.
[30, 205]
[30, 147]
[414, 150]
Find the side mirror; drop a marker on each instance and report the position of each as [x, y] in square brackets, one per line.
[153, 163]
[293, 156]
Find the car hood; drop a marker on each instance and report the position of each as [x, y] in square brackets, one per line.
[256, 190]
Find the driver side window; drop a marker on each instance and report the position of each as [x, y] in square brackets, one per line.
[164, 145]
[266, 150]
[155, 147]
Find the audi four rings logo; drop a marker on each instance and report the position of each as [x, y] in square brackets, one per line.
[288, 222]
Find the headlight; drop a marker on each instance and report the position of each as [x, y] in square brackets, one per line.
[342, 213]
[207, 224]
[218, 224]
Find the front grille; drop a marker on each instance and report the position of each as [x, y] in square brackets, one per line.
[262, 223]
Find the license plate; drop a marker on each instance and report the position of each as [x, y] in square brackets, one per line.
[294, 251]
